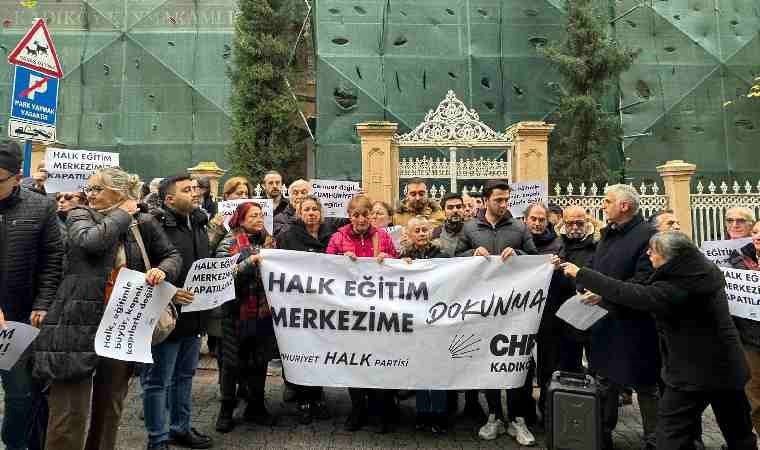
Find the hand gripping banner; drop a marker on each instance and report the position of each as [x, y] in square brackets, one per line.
[459, 323]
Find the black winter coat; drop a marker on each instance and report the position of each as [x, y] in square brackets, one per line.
[699, 343]
[66, 343]
[547, 243]
[428, 252]
[297, 238]
[31, 254]
[749, 329]
[192, 244]
[509, 232]
[624, 345]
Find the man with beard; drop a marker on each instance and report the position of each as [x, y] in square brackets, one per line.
[560, 345]
[448, 237]
[273, 190]
[284, 219]
[417, 203]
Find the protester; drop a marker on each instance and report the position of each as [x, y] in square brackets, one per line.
[248, 342]
[624, 348]
[360, 239]
[417, 203]
[536, 218]
[152, 200]
[170, 377]
[665, 220]
[560, 346]
[473, 204]
[448, 237]
[703, 362]
[297, 191]
[85, 410]
[308, 233]
[65, 201]
[739, 221]
[555, 214]
[31, 255]
[746, 258]
[235, 188]
[496, 232]
[36, 182]
[381, 215]
[206, 198]
[273, 190]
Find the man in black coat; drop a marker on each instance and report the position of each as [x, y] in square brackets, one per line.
[273, 190]
[624, 343]
[176, 358]
[703, 359]
[31, 259]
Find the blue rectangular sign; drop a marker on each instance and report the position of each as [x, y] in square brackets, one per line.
[35, 97]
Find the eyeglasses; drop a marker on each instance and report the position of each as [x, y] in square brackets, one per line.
[731, 220]
[90, 190]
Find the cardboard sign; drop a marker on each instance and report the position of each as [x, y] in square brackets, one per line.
[525, 194]
[227, 208]
[334, 195]
[719, 251]
[68, 170]
[16, 338]
[212, 283]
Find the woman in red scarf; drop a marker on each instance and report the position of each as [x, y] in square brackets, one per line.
[247, 333]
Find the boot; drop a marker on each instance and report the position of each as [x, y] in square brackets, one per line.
[225, 423]
[256, 412]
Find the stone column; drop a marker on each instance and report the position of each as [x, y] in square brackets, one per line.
[676, 176]
[211, 170]
[379, 160]
[530, 158]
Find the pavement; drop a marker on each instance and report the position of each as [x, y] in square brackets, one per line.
[329, 434]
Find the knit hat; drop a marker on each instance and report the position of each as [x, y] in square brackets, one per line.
[10, 157]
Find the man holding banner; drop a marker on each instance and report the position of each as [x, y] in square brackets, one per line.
[175, 359]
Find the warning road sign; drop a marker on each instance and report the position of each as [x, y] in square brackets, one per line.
[36, 51]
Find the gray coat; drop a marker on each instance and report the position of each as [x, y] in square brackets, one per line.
[509, 232]
[65, 346]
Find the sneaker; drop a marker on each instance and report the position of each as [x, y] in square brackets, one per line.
[518, 430]
[492, 429]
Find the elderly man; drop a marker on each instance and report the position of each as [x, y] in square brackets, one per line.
[496, 232]
[624, 347]
[537, 220]
[273, 190]
[704, 364]
[665, 220]
[31, 257]
[296, 191]
[417, 203]
[739, 221]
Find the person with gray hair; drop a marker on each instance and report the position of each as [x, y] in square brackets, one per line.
[704, 363]
[624, 347]
[739, 222]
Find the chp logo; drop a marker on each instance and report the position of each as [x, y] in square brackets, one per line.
[518, 346]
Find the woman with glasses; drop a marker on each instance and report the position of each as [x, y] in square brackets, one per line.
[87, 391]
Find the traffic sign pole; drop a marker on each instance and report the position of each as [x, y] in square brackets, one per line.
[27, 158]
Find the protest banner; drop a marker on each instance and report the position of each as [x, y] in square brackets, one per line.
[461, 323]
[126, 329]
[212, 283]
[334, 195]
[68, 170]
[743, 292]
[719, 251]
[525, 194]
[227, 207]
[14, 339]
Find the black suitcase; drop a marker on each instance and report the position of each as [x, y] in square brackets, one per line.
[573, 412]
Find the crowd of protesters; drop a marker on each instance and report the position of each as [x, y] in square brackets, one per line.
[668, 335]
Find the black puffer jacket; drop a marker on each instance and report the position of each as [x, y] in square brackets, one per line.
[66, 343]
[192, 244]
[746, 259]
[31, 254]
[699, 343]
[297, 238]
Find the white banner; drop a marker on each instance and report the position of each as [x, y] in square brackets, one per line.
[525, 194]
[227, 209]
[68, 170]
[334, 195]
[460, 323]
[211, 282]
[743, 292]
[719, 251]
[126, 329]
[14, 339]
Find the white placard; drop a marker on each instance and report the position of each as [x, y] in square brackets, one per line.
[68, 170]
[14, 339]
[579, 314]
[525, 194]
[458, 323]
[211, 282]
[743, 292]
[227, 209]
[719, 251]
[126, 329]
[396, 232]
[334, 195]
